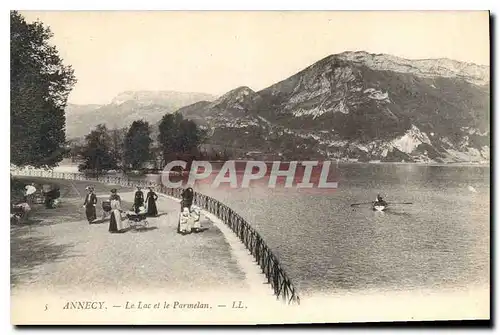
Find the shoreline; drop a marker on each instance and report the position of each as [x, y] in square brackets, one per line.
[74, 168]
[465, 164]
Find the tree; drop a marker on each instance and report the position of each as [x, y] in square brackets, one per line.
[168, 130]
[156, 154]
[117, 145]
[75, 149]
[97, 153]
[179, 137]
[39, 88]
[189, 137]
[137, 145]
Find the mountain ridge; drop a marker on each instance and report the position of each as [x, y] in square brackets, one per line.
[127, 107]
[357, 105]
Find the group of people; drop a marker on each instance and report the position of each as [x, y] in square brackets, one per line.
[113, 207]
[49, 195]
[189, 219]
[149, 204]
[19, 211]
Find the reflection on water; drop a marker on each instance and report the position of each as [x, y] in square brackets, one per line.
[326, 245]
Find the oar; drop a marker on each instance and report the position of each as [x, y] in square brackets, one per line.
[362, 203]
[400, 203]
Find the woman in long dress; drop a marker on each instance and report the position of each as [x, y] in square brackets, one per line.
[115, 221]
[138, 199]
[89, 205]
[151, 202]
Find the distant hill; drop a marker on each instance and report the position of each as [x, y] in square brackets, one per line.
[359, 106]
[126, 108]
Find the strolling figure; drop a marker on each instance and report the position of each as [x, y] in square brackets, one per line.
[89, 205]
[187, 197]
[138, 200]
[151, 202]
[115, 222]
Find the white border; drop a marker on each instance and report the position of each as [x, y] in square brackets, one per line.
[252, 5]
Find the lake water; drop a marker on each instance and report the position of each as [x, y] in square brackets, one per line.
[327, 246]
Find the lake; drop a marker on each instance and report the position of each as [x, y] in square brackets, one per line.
[442, 240]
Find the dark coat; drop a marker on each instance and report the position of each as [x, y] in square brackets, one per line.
[90, 200]
[139, 198]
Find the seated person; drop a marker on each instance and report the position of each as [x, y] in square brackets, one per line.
[379, 201]
[19, 212]
[52, 195]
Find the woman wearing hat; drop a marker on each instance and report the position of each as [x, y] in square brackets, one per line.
[115, 222]
[151, 198]
[89, 205]
[138, 199]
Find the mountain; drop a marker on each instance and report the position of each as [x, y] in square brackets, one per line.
[359, 106]
[127, 107]
[162, 98]
[233, 104]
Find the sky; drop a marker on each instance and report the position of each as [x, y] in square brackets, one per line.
[214, 52]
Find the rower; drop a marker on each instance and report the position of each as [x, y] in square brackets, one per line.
[380, 201]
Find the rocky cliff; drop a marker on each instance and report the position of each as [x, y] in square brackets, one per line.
[359, 106]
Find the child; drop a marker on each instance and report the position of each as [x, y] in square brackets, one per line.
[195, 215]
[185, 221]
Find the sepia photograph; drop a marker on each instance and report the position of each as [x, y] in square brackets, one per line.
[249, 167]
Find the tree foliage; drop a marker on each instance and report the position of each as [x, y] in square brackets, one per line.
[179, 137]
[97, 153]
[117, 145]
[137, 145]
[40, 85]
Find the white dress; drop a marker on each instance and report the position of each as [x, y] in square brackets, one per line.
[185, 221]
[116, 214]
[195, 215]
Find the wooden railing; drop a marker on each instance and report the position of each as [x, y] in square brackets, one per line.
[268, 262]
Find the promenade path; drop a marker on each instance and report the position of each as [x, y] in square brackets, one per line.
[58, 252]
